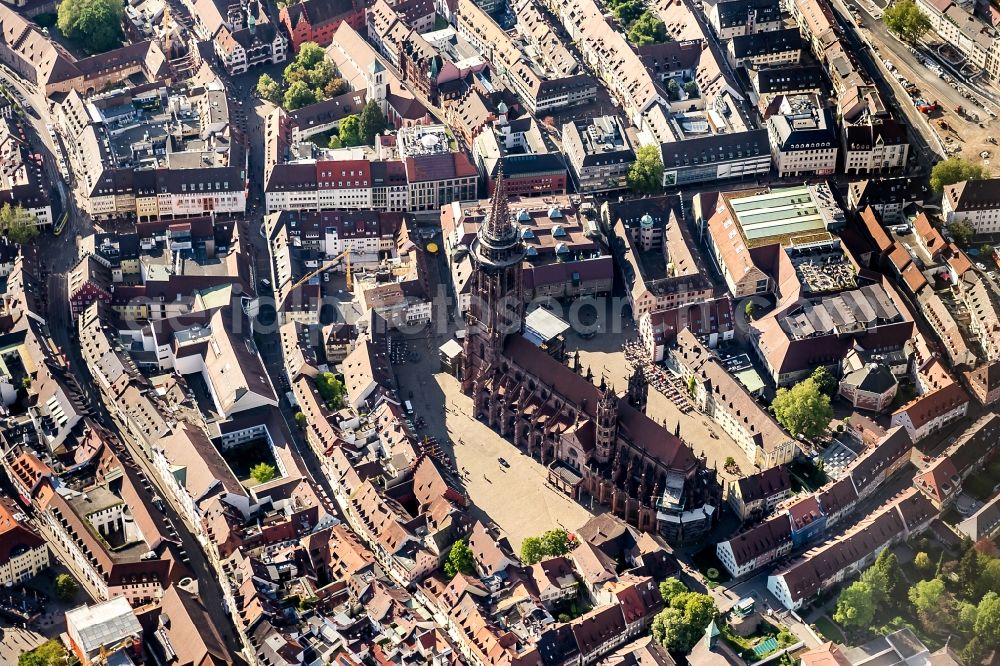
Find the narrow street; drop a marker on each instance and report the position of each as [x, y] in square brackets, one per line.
[169, 521]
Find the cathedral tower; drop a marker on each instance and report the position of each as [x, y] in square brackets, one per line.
[607, 423]
[497, 306]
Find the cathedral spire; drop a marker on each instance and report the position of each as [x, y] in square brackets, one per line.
[498, 225]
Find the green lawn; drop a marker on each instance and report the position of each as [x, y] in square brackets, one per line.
[829, 630]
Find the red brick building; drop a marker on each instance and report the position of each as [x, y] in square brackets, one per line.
[317, 20]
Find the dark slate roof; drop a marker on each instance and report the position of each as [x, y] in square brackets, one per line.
[715, 149]
[881, 191]
[767, 43]
[872, 378]
[776, 80]
[792, 135]
[767, 483]
[735, 12]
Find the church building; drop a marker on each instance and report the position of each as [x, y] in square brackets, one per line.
[599, 447]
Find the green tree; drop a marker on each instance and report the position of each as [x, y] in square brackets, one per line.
[990, 579]
[987, 627]
[955, 170]
[66, 587]
[679, 626]
[646, 174]
[699, 610]
[310, 54]
[692, 385]
[17, 224]
[335, 142]
[922, 563]
[269, 89]
[556, 542]
[49, 653]
[856, 606]
[803, 409]
[986, 250]
[300, 420]
[966, 614]
[673, 90]
[335, 87]
[551, 544]
[350, 131]
[904, 18]
[532, 550]
[96, 25]
[729, 462]
[962, 232]
[670, 630]
[628, 11]
[263, 472]
[331, 389]
[750, 310]
[927, 595]
[889, 575]
[670, 588]
[460, 560]
[298, 95]
[320, 74]
[970, 571]
[826, 382]
[647, 29]
[371, 123]
[691, 88]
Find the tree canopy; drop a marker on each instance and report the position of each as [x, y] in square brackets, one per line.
[922, 563]
[679, 626]
[646, 174]
[904, 18]
[826, 382]
[803, 409]
[66, 587]
[331, 389]
[371, 123]
[670, 588]
[955, 170]
[350, 131]
[309, 78]
[551, 544]
[460, 560]
[96, 25]
[263, 472]
[926, 595]
[269, 89]
[962, 232]
[647, 29]
[856, 606]
[49, 653]
[17, 224]
[299, 94]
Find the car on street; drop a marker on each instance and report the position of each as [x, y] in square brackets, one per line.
[503, 463]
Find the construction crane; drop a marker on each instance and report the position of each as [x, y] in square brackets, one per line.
[345, 255]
